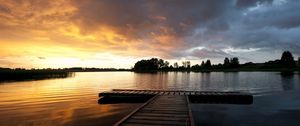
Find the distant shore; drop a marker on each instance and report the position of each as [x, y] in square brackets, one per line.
[241, 68]
[22, 75]
[285, 64]
[246, 69]
[231, 70]
[7, 74]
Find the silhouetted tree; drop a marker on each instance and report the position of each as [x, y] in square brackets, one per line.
[166, 64]
[249, 64]
[149, 65]
[175, 65]
[207, 64]
[226, 62]
[287, 59]
[184, 64]
[160, 63]
[298, 60]
[202, 64]
[273, 63]
[188, 64]
[234, 62]
[171, 67]
[196, 67]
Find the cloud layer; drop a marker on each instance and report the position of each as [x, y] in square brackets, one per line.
[172, 29]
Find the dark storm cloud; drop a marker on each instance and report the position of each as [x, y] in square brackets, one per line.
[249, 3]
[154, 21]
[281, 16]
[137, 18]
[272, 26]
[268, 25]
[205, 53]
[269, 38]
[172, 26]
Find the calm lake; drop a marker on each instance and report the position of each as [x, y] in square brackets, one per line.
[74, 100]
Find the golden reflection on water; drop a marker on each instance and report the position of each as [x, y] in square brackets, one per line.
[60, 101]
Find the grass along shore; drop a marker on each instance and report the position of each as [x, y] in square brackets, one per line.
[20, 75]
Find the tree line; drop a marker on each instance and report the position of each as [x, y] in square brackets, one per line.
[156, 64]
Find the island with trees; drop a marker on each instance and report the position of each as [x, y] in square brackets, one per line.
[286, 63]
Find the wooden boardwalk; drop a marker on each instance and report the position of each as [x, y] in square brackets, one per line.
[160, 110]
[167, 107]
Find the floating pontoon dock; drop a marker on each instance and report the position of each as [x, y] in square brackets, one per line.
[168, 107]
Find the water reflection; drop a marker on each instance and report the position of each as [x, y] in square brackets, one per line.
[234, 76]
[287, 80]
[157, 80]
[228, 81]
[205, 80]
[73, 101]
[175, 79]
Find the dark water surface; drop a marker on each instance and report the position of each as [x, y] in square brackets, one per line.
[73, 101]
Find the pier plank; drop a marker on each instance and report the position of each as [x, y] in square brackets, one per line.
[163, 110]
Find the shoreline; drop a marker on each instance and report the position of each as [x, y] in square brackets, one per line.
[297, 69]
[29, 75]
[24, 75]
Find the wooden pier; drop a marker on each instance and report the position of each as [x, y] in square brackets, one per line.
[168, 107]
[160, 110]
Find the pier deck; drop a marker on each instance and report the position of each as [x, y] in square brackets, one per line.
[161, 110]
[130, 92]
[134, 96]
[168, 107]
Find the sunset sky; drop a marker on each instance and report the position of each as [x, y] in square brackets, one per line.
[117, 33]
